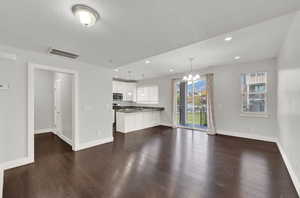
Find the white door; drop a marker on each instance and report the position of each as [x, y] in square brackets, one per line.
[57, 106]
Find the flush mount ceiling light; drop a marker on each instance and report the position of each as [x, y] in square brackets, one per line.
[171, 70]
[87, 16]
[147, 61]
[116, 70]
[229, 38]
[237, 57]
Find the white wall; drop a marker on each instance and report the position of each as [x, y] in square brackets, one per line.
[95, 90]
[1, 181]
[227, 98]
[43, 100]
[64, 89]
[13, 111]
[289, 97]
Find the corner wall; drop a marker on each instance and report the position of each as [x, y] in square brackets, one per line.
[227, 98]
[44, 100]
[95, 98]
[289, 99]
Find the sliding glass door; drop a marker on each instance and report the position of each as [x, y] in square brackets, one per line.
[191, 104]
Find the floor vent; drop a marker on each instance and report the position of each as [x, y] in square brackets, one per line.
[63, 53]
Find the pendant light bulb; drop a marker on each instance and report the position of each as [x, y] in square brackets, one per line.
[190, 76]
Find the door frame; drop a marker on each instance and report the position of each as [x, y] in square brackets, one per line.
[30, 106]
[58, 129]
[175, 124]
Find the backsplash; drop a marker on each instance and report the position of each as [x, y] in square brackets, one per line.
[124, 103]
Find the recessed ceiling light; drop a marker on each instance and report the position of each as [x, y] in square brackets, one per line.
[116, 70]
[228, 38]
[171, 70]
[147, 61]
[237, 57]
[87, 16]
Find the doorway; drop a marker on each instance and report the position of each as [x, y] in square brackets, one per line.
[65, 105]
[62, 110]
[191, 104]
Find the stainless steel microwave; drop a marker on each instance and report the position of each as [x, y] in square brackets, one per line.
[118, 96]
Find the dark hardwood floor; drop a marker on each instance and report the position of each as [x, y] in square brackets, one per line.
[158, 162]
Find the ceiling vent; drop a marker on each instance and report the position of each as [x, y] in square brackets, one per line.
[63, 53]
[9, 56]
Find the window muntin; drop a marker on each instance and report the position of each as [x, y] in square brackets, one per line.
[254, 92]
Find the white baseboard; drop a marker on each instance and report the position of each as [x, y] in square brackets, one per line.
[55, 132]
[246, 135]
[94, 143]
[167, 125]
[289, 167]
[291, 171]
[39, 131]
[64, 138]
[25, 161]
[16, 163]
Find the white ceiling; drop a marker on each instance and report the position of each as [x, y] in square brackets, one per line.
[252, 43]
[129, 30]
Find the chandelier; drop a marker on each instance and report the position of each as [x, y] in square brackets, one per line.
[191, 76]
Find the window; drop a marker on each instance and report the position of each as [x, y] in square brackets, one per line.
[147, 95]
[254, 92]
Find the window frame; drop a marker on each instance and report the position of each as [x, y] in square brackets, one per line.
[264, 114]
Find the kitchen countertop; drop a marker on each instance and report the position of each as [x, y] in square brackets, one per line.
[135, 109]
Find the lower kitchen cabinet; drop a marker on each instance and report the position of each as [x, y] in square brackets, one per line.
[127, 122]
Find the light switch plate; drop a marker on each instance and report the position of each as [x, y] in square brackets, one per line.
[4, 86]
[87, 108]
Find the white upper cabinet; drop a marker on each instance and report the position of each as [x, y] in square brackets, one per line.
[130, 92]
[128, 89]
[115, 85]
[148, 95]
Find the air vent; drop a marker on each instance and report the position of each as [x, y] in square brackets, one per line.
[9, 56]
[62, 53]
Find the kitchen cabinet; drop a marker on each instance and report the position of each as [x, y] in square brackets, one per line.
[115, 86]
[128, 122]
[128, 89]
[147, 95]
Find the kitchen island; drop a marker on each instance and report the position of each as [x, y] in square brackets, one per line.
[132, 118]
